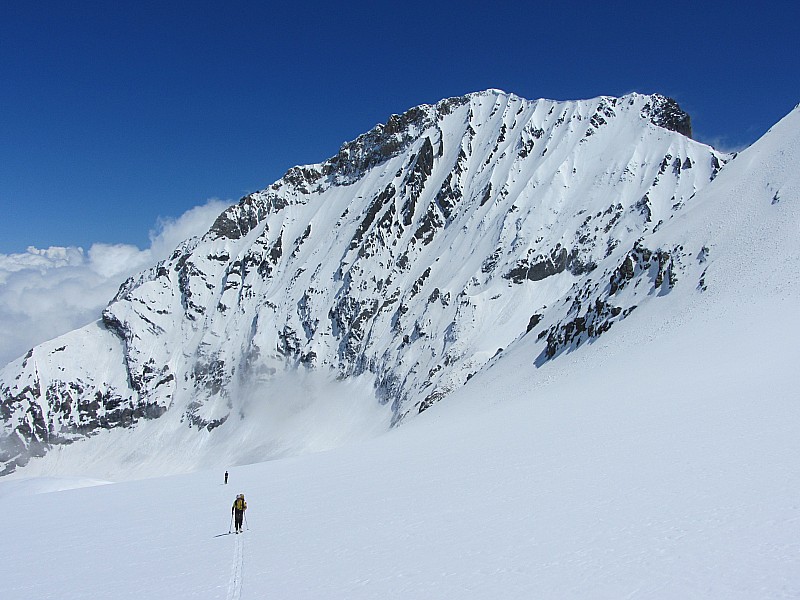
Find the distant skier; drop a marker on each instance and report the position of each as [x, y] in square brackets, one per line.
[226, 477]
[237, 510]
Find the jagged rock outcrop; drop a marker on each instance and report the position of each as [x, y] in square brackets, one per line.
[666, 113]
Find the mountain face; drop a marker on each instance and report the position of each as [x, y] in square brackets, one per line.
[418, 254]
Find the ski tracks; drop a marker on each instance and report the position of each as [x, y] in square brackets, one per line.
[235, 583]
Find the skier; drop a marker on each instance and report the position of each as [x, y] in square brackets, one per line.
[226, 477]
[237, 510]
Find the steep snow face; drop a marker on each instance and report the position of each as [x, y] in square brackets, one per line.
[420, 253]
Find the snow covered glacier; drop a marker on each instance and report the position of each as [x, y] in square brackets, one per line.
[417, 255]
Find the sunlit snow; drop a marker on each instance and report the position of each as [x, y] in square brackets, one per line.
[657, 461]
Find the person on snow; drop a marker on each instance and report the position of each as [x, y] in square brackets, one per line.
[226, 477]
[237, 510]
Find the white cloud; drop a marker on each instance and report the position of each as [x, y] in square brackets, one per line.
[37, 259]
[47, 292]
[112, 260]
[171, 232]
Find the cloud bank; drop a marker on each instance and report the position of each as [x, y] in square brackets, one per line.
[47, 292]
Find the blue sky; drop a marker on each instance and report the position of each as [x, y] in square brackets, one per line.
[113, 115]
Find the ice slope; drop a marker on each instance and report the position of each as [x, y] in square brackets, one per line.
[659, 461]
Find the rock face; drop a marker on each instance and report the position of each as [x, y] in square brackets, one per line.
[666, 113]
[416, 254]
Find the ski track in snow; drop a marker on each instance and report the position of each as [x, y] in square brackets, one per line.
[235, 583]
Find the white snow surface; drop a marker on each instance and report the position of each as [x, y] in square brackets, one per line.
[657, 461]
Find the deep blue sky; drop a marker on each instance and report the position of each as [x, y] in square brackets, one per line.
[115, 114]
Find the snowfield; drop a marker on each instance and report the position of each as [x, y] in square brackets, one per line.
[658, 461]
[684, 485]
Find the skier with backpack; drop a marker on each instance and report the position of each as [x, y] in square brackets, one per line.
[237, 511]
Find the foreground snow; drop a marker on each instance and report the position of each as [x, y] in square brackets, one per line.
[682, 486]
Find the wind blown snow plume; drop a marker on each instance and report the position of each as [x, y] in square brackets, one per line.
[45, 293]
[417, 256]
[295, 413]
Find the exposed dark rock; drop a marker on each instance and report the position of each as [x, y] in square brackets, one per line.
[237, 221]
[666, 113]
[582, 326]
[577, 265]
[375, 147]
[716, 166]
[553, 264]
[533, 322]
[640, 261]
[414, 184]
[380, 202]
[431, 222]
[643, 207]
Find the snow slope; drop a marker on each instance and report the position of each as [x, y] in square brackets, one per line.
[657, 461]
[667, 491]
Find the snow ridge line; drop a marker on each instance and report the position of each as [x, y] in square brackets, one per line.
[235, 583]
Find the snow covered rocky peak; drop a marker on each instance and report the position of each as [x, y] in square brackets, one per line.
[666, 113]
[416, 256]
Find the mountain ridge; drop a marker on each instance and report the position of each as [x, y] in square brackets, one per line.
[415, 255]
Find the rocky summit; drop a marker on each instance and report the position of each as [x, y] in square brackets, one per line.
[416, 256]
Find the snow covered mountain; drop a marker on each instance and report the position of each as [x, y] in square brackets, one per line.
[658, 461]
[417, 257]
